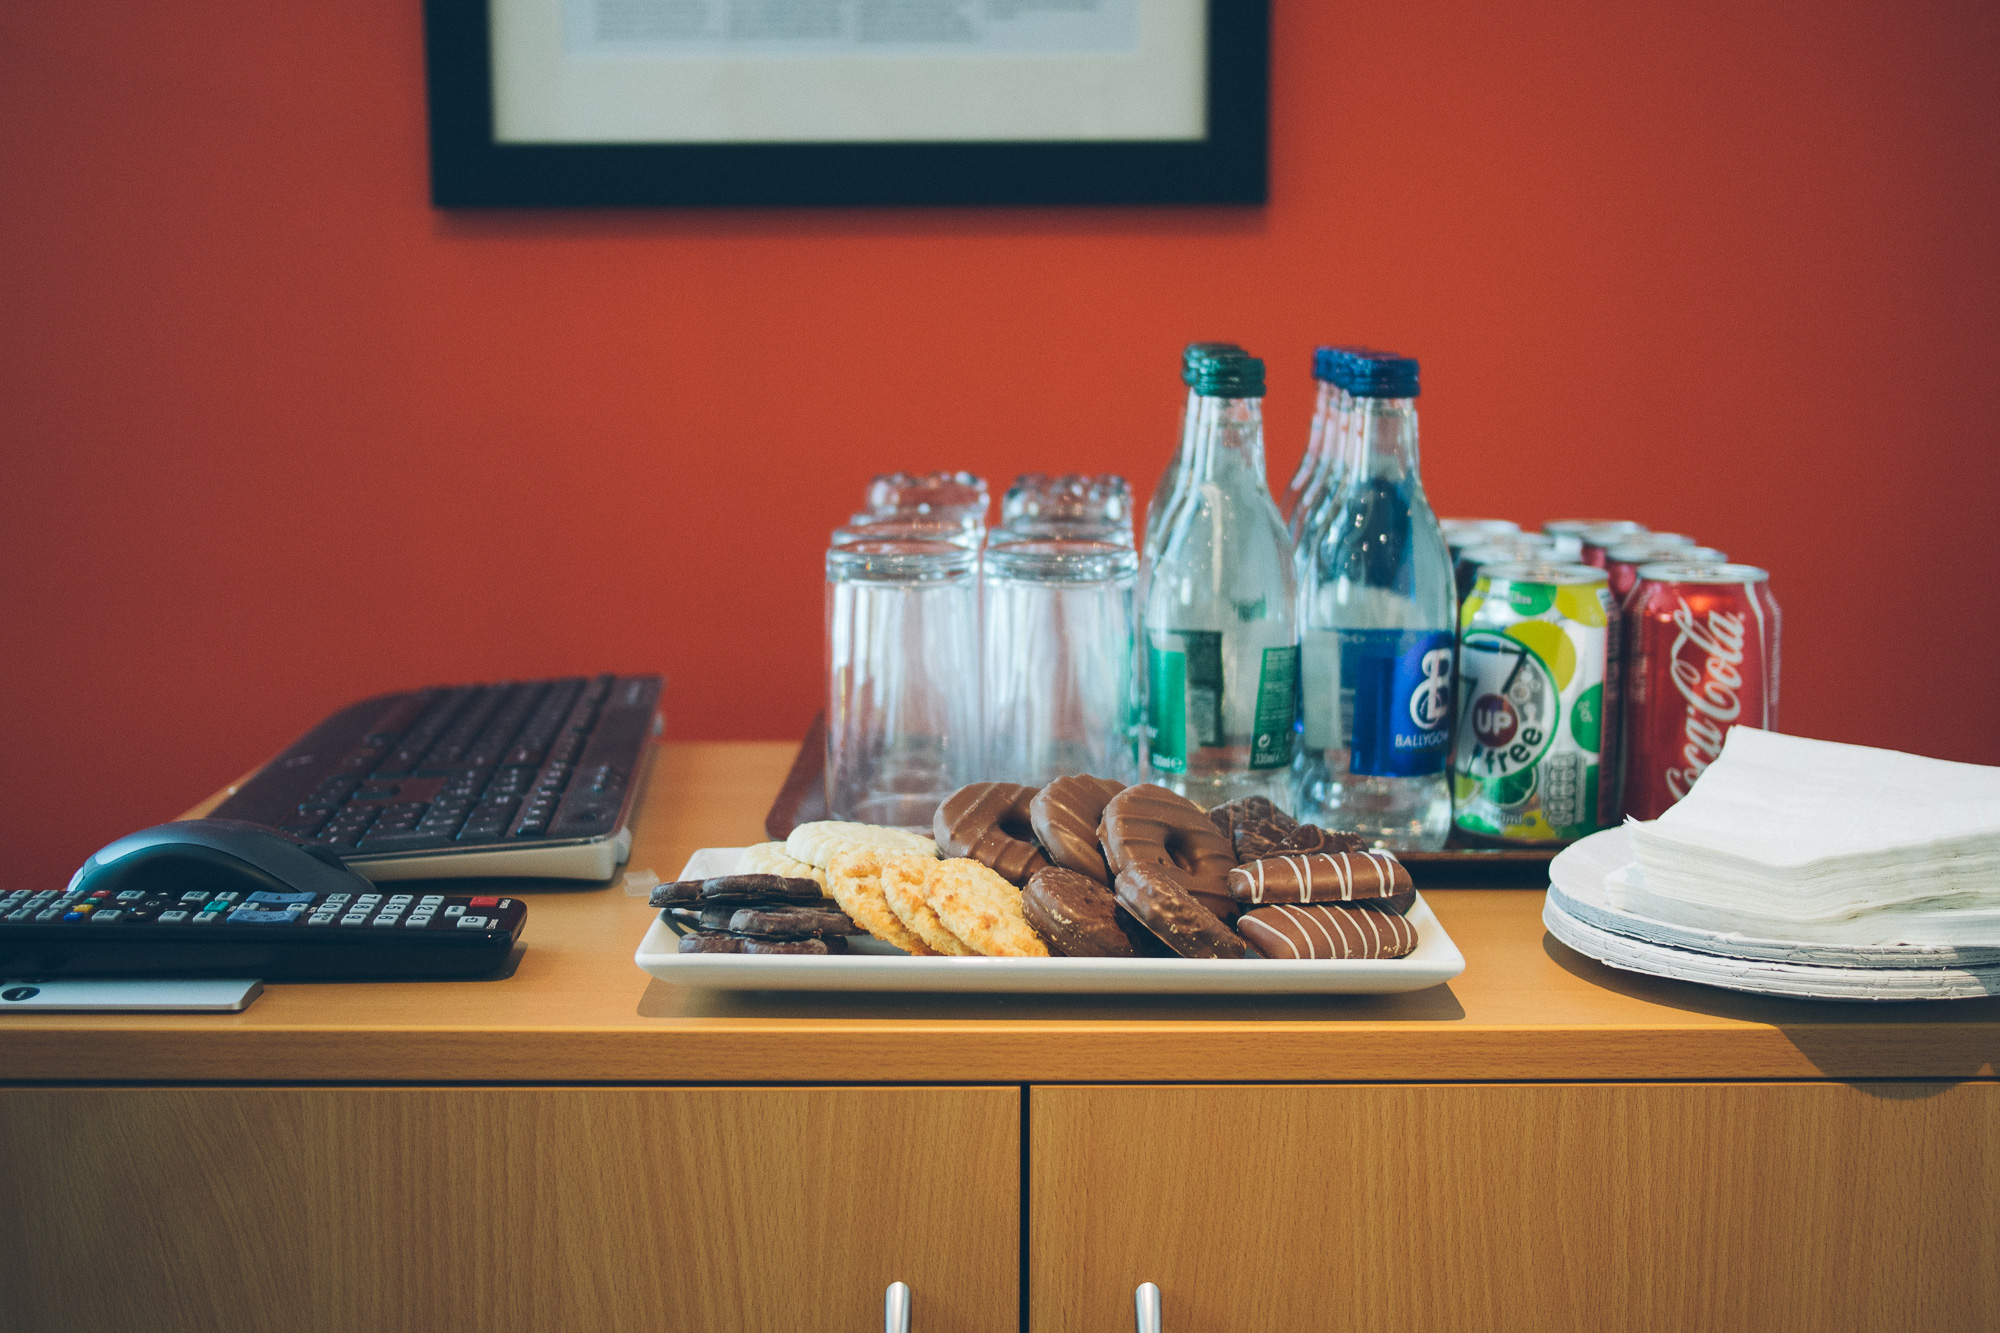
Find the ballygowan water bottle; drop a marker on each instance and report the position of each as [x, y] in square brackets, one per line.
[1221, 608]
[1378, 608]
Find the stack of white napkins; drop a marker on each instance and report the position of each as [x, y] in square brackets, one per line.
[1793, 839]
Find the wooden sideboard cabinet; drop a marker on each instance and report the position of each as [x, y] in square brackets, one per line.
[339, 1210]
[1630, 1207]
[572, 1147]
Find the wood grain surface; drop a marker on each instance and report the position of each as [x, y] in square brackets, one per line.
[1748, 1208]
[575, 1009]
[355, 1210]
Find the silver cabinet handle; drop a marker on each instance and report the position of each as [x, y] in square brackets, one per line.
[896, 1308]
[1146, 1308]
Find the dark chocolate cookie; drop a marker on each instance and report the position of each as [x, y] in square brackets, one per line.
[1328, 930]
[1159, 897]
[1151, 826]
[1065, 815]
[788, 922]
[743, 889]
[678, 891]
[1074, 915]
[988, 822]
[1254, 825]
[711, 941]
[828, 944]
[1309, 838]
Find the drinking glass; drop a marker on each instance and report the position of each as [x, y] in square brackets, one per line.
[1071, 507]
[1056, 664]
[932, 494]
[902, 672]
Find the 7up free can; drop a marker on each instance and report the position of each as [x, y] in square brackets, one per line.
[1535, 759]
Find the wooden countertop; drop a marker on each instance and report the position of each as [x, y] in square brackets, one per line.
[576, 1010]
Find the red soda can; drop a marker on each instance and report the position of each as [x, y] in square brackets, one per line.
[1701, 656]
[1622, 561]
[1597, 542]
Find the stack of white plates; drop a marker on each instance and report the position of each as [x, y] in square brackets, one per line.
[1580, 914]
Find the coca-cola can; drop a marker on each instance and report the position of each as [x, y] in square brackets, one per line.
[1622, 562]
[1597, 542]
[1701, 656]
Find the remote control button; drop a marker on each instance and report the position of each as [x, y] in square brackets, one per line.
[472, 923]
[53, 914]
[417, 922]
[280, 899]
[484, 902]
[319, 921]
[21, 915]
[454, 911]
[250, 916]
[216, 905]
[101, 893]
[194, 897]
[131, 895]
[335, 899]
[207, 918]
[168, 918]
[227, 897]
[369, 898]
[108, 914]
[385, 921]
[402, 899]
[354, 921]
[76, 916]
[431, 900]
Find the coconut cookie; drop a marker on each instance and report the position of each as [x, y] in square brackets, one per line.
[816, 843]
[903, 880]
[854, 878]
[770, 858]
[982, 909]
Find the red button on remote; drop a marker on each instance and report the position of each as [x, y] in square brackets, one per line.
[485, 902]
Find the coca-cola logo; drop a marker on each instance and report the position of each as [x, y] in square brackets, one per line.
[1494, 721]
[1710, 680]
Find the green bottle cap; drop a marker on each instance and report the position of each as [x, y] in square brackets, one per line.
[1196, 353]
[1233, 375]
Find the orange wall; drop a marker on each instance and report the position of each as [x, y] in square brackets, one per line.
[278, 435]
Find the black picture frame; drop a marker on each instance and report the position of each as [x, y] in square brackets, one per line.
[470, 170]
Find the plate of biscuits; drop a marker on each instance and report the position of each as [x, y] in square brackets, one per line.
[1083, 885]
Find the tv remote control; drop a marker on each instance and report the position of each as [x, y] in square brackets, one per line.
[273, 936]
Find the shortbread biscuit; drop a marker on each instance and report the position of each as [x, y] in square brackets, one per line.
[854, 878]
[903, 880]
[815, 843]
[982, 909]
[770, 858]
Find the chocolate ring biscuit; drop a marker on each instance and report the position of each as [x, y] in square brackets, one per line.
[1328, 930]
[1074, 914]
[1148, 825]
[1319, 878]
[1065, 815]
[1159, 897]
[988, 822]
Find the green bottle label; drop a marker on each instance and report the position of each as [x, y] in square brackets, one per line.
[1166, 729]
[1277, 700]
[1204, 684]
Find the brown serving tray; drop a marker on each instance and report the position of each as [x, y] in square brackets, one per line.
[1459, 866]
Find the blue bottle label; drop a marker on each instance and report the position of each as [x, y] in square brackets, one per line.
[1395, 698]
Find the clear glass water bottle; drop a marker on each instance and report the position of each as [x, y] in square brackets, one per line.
[1159, 510]
[1318, 474]
[1221, 619]
[1378, 611]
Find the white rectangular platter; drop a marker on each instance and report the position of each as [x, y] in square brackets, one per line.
[874, 966]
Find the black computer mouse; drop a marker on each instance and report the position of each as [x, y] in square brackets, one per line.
[216, 855]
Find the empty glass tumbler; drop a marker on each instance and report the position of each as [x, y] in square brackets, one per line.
[929, 493]
[902, 650]
[1072, 506]
[1056, 673]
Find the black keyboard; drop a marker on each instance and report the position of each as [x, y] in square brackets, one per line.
[528, 778]
[271, 936]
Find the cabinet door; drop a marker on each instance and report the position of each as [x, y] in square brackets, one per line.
[508, 1209]
[1587, 1207]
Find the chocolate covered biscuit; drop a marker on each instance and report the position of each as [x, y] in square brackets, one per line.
[988, 822]
[1074, 915]
[1343, 877]
[760, 889]
[1148, 825]
[1309, 838]
[788, 922]
[1254, 825]
[1065, 815]
[1328, 930]
[1159, 897]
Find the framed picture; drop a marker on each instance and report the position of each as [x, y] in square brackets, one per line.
[537, 103]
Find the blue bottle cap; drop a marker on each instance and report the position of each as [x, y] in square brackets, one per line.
[1335, 365]
[1384, 375]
